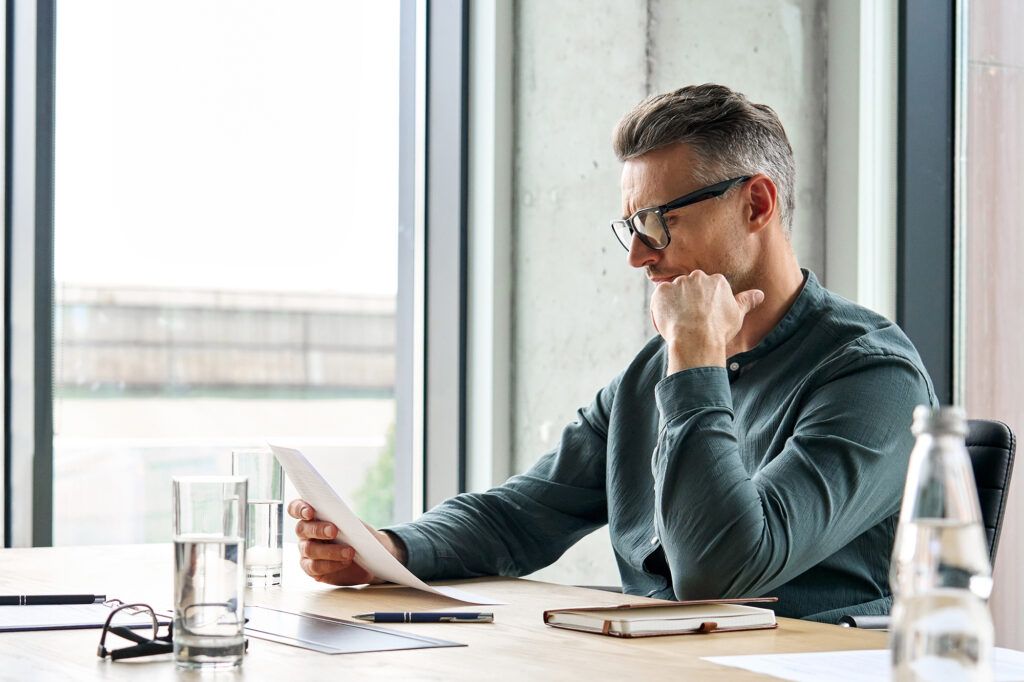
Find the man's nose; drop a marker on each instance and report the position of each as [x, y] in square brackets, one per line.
[640, 255]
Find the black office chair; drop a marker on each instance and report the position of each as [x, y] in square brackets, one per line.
[991, 445]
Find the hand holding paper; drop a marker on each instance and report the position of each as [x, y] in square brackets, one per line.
[370, 554]
[324, 559]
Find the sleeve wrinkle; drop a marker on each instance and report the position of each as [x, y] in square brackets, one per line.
[705, 408]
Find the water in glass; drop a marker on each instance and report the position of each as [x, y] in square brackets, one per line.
[209, 605]
[263, 541]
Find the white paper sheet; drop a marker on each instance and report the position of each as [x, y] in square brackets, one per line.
[866, 665]
[61, 616]
[370, 554]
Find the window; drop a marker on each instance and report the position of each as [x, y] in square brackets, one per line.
[225, 250]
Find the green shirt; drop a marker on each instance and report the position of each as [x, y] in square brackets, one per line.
[780, 474]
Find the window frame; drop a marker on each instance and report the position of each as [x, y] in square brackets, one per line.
[28, 295]
[929, 185]
[445, 251]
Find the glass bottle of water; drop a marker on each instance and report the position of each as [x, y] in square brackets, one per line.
[940, 574]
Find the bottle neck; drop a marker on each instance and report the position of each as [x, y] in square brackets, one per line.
[943, 439]
[940, 481]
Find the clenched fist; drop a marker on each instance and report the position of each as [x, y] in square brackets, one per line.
[698, 315]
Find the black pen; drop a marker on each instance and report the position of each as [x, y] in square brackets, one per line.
[51, 599]
[426, 617]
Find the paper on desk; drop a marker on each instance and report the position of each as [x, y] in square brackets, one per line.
[370, 554]
[869, 665]
[66, 616]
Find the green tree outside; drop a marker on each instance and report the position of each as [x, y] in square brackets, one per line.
[375, 499]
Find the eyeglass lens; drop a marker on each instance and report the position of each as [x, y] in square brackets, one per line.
[647, 225]
[651, 229]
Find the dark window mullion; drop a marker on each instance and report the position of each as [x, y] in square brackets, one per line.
[925, 273]
[42, 463]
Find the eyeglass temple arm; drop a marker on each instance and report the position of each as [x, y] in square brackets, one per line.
[128, 633]
[147, 648]
[143, 647]
[715, 190]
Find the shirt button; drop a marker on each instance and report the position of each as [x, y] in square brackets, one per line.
[654, 540]
[734, 366]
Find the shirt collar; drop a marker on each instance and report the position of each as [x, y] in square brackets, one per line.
[807, 302]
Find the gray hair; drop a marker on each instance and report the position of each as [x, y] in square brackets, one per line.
[729, 135]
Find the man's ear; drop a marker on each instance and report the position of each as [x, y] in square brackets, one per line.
[762, 201]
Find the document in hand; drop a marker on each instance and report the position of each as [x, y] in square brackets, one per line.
[370, 554]
[672, 618]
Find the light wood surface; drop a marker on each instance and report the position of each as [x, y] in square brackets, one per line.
[517, 646]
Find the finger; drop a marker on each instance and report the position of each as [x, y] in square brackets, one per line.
[749, 299]
[321, 567]
[351, 576]
[316, 530]
[315, 549]
[300, 509]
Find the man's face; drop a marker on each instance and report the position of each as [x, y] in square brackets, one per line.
[710, 235]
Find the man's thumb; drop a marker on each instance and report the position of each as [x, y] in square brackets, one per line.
[749, 299]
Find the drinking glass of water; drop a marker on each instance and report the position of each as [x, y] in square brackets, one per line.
[209, 571]
[263, 549]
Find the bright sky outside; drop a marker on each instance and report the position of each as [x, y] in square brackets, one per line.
[242, 144]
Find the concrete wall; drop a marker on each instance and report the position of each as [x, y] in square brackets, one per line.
[579, 311]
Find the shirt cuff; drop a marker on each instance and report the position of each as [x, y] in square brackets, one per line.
[421, 560]
[692, 389]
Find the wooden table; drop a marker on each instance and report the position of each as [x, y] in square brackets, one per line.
[517, 646]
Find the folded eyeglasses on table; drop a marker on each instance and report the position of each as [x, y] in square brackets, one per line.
[144, 646]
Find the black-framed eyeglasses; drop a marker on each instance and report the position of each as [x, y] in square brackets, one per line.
[144, 646]
[649, 223]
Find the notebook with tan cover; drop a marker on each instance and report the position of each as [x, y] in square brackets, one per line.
[670, 618]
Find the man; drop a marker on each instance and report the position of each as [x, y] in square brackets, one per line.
[757, 446]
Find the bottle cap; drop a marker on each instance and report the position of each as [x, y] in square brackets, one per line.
[946, 420]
